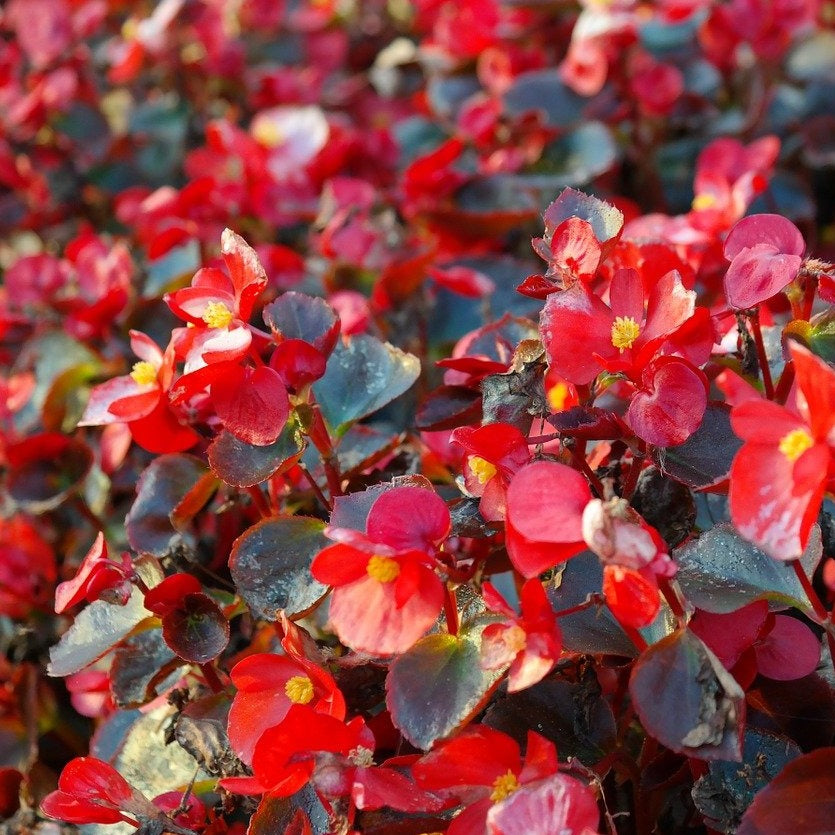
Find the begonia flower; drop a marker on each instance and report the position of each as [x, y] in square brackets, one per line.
[386, 594]
[778, 478]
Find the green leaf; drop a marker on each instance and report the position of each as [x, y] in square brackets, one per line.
[270, 564]
[362, 376]
[801, 798]
[243, 465]
[436, 686]
[95, 631]
[298, 316]
[162, 486]
[721, 572]
[728, 788]
[687, 700]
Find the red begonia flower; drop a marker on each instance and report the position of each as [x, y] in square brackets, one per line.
[544, 525]
[92, 791]
[268, 686]
[284, 757]
[27, 567]
[481, 767]
[494, 453]
[529, 643]
[139, 399]
[558, 803]
[765, 252]
[164, 598]
[96, 576]
[386, 593]
[584, 336]
[778, 478]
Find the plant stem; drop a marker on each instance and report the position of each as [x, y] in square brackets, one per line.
[635, 636]
[672, 598]
[580, 460]
[212, 678]
[259, 501]
[754, 318]
[451, 609]
[784, 384]
[317, 491]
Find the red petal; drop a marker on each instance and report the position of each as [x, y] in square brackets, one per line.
[559, 804]
[102, 397]
[476, 757]
[545, 503]
[766, 507]
[671, 404]
[575, 325]
[790, 651]
[409, 518]
[772, 230]
[757, 274]
[162, 432]
[729, 635]
[816, 381]
[248, 276]
[252, 403]
[366, 617]
[338, 565]
[632, 598]
[74, 591]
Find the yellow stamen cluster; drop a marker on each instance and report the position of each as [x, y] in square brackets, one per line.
[557, 397]
[299, 690]
[795, 443]
[144, 373]
[482, 469]
[382, 569]
[703, 201]
[504, 786]
[217, 315]
[361, 756]
[267, 133]
[625, 331]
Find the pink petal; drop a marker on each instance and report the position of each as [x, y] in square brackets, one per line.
[791, 650]
[252, 403]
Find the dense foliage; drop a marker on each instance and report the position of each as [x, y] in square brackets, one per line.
[417, 417]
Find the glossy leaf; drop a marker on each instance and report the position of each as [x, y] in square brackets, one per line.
[362, 377]
[95, 631]
[575, 717]
[163, 484]
[243, 465]
[687, 700]
[297, 316]
[726, 791]
[705, 457]
[443, 671]
[721, 572]
[270, 564]
[801, 798]
[196, 630]
[137, 674]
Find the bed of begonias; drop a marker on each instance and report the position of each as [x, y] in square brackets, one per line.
[417, 417]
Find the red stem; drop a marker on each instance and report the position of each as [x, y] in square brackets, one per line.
[212, 678]
[259, 501]
[587, 471]
[672, 598]
[784, 384]
[316, 489]
[635, 636]
[451, 610]
[754, 318]
[817, 605]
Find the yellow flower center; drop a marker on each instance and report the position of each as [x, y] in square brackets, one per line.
[795, 443]
[703, 201]
[504, 786]
[217, 315]
[299, 690]
[382, 569]
[557, 397]
[144, 373]
[625, 331]
[482, 469]
[516, 638]
[267, 133]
